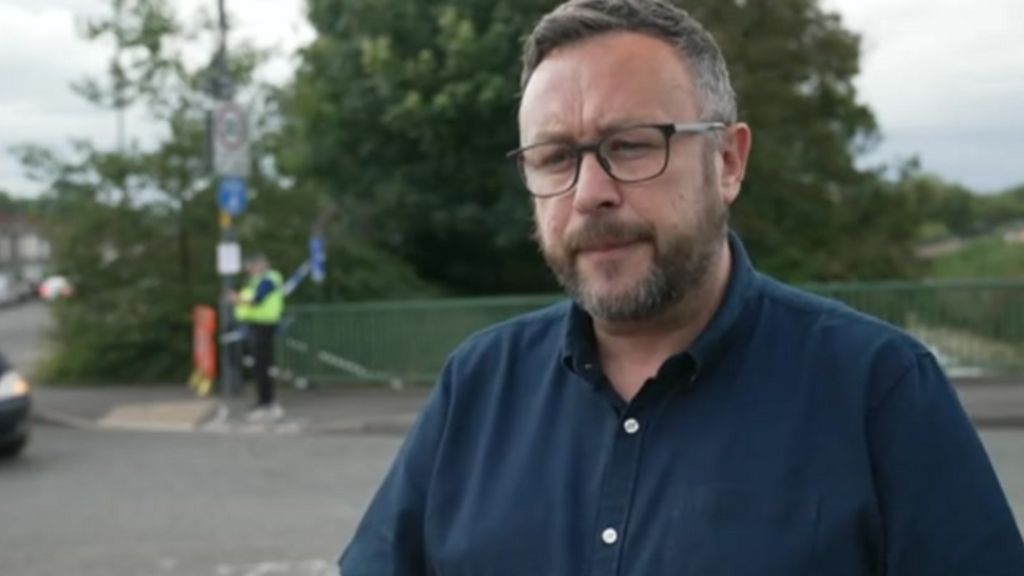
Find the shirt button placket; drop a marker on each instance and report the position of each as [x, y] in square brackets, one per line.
[616, 499]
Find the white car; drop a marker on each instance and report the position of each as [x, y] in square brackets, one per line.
[55, 288]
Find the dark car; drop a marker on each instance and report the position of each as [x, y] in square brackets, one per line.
[15, 404]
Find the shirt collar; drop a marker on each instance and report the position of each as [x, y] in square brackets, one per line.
[579, 351]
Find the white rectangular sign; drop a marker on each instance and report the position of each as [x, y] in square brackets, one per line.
[231, 140]
[229, 258]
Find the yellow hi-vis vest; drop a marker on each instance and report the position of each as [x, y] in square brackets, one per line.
[266, 312]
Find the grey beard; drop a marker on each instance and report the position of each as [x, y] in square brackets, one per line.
[652, 295]
[673, 278]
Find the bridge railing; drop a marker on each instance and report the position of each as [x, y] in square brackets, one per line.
[976, 328]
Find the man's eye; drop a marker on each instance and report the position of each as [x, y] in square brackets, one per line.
[631, 146]
[553, 159]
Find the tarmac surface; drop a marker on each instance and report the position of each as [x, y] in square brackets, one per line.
[346, 410]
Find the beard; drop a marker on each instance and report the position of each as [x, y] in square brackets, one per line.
[679, 267]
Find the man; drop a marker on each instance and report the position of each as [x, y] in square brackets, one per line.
[259, 307]
[684, 415]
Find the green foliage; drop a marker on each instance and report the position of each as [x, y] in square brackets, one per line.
[11, 204]
[7, 203]
[943, 211]
[938, 205]
[403, 112]
[279, 223]
[391, 143]
[806, 212]
[137, 255]
[136, 229]
[405, 109]
[989, 257]
[1000, 209]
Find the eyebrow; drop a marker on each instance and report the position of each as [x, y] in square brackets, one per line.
[604, 128]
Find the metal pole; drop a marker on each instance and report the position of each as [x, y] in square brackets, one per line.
[119, 79]
[230, 371]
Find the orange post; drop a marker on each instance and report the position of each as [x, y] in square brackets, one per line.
[204, 349]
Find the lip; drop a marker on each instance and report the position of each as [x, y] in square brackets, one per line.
[609, 249]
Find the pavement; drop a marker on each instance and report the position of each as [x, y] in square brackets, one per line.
[991, 403]
[336, 410]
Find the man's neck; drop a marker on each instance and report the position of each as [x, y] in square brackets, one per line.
[632, 352]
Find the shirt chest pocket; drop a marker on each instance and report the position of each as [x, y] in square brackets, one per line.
[735, 531]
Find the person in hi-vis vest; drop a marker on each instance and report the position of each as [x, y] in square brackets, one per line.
[259, 306]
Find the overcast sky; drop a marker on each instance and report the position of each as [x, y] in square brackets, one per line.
[945, 78]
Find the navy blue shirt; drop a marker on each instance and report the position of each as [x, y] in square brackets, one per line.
[796, 437]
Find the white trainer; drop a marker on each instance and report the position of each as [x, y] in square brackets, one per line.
[257, 415]
[275, 412]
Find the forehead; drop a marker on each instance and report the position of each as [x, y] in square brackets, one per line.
[610, 80]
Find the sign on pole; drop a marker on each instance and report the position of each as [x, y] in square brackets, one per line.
[232, 195]
[229, 258]
[318, 259]
[230, 140]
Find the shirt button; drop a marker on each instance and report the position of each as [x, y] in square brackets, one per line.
[609, 536]
[631, 426]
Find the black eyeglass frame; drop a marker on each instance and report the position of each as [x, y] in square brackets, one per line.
[667, 130]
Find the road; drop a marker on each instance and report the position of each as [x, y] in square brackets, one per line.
[136, 504]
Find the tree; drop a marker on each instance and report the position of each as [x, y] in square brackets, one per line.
[7, 203]
[17, 205]
[130, 226]
[807, 212]
[136, 228]
[1000, 209]
[404, 111]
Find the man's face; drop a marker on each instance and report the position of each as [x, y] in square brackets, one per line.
[625, 252]
[256, 268]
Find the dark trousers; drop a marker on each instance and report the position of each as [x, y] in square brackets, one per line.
[261, 338]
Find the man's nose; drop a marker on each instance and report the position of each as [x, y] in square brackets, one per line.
[595, 188]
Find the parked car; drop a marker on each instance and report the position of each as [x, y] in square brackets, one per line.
[15, 406]
[55, 288]
[8, 292]
[27, 290]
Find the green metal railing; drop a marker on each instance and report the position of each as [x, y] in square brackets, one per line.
[974, 327]
[398, 342]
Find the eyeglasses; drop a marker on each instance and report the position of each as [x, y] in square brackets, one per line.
[630, 154]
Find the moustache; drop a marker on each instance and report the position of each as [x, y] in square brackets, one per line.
[603, 233]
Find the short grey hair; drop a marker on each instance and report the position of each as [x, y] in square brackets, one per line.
[257, 258]
[578, 20]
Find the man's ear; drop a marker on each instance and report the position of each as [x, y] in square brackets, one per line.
[732, 160]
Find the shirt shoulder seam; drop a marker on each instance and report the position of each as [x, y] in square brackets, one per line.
[905, 373]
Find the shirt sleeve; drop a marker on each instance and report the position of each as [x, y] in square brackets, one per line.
[943, 510]
[389, 540]
[263, 289]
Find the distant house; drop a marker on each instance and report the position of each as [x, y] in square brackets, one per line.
[1014, 234]
[24, 254]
